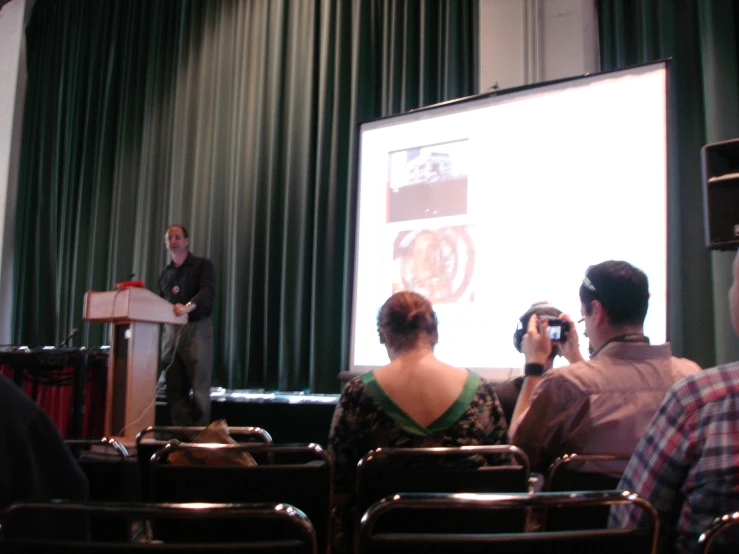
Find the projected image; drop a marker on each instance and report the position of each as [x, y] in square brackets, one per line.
[437, 263]
[428, 181]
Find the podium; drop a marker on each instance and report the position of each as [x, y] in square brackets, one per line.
[134, 355]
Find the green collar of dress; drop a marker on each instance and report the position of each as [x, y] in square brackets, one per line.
[407, 423]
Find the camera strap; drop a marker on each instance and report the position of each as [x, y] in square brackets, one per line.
[631, 337]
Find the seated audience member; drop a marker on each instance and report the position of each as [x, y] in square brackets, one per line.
[508, 392]
[414, 401]
[685, 465]
[35, 464]
[601, 405]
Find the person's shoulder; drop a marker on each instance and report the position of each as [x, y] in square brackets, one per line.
[482, 383]
[707, 386]
[684, 366]
[196, 260]
[201, 263]
[357, 385]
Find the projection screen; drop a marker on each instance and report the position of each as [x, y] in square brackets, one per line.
[490, 204]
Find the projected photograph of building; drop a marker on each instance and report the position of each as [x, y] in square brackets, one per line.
[428, 181]
[438, 263]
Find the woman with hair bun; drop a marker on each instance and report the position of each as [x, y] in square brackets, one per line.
[414, 401]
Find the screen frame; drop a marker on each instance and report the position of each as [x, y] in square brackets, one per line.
[672, 316]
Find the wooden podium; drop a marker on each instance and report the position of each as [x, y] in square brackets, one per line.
[134, 355]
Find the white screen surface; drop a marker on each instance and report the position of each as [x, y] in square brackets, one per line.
[492, 204]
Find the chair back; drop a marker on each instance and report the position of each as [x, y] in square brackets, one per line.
[722, 536]
[112, 477]
[247, 527]
[298, 475]
[151, 439]
[373, 540]
[386, 471]
[564, 476]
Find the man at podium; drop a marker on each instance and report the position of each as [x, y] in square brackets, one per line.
[188, 282]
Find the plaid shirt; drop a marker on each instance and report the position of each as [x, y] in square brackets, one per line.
[687, 463]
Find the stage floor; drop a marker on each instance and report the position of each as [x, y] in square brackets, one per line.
[289, 417]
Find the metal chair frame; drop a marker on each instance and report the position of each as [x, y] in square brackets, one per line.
[373, 455]
[180, 511]
[718, 526]
[596, 518]
[313, 450]
[492, 501]
[104, 441]
[567, 459]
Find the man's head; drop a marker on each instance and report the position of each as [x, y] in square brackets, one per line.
[541, 309]
[177, 239]
[734, 295]
[614, 297]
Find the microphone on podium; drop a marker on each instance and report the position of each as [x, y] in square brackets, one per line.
[128, 283]
[73, 333]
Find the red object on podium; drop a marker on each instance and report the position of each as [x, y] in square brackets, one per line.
[129, 284]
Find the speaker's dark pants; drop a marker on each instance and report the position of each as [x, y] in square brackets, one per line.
[191, 370]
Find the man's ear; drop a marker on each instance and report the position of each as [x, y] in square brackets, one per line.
[599, 314]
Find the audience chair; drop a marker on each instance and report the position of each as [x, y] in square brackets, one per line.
[564, 476]
[386, 471]
[202, 528]
[298, 475]
[112, 476]
[618, 541]
[722, 536]
[151, 439]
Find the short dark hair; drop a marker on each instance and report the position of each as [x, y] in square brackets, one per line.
[621, 288]
[184, 230]
[403, 317]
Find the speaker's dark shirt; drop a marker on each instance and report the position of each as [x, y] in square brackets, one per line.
[194, 281]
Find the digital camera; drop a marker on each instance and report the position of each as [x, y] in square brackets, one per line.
[557, 329]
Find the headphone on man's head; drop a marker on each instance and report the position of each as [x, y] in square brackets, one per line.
[523, 321]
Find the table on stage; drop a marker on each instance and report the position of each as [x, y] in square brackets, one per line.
[68, 383]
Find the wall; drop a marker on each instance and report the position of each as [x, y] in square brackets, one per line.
[529, 41]
[13, 17]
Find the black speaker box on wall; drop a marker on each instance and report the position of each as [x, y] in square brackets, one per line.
[720, 165]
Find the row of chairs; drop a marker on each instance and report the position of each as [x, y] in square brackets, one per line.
[302, 476]
[299, 475]
[204, 528]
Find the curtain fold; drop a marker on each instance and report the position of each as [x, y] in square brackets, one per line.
[700, 39]
[237, 119]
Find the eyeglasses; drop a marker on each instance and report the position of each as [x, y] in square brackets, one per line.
[588, 285]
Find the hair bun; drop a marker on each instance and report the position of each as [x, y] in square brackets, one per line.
[406, 314]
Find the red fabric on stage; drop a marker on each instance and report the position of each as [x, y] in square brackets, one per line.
[56, 399]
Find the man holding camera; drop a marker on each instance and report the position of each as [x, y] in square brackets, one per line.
[601, 405]
[508, 391]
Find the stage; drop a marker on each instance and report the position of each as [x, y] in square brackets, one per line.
[70, 385]
[288, 417]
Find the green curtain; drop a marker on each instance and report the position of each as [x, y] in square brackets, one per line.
[700, 38]
[237, 119]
